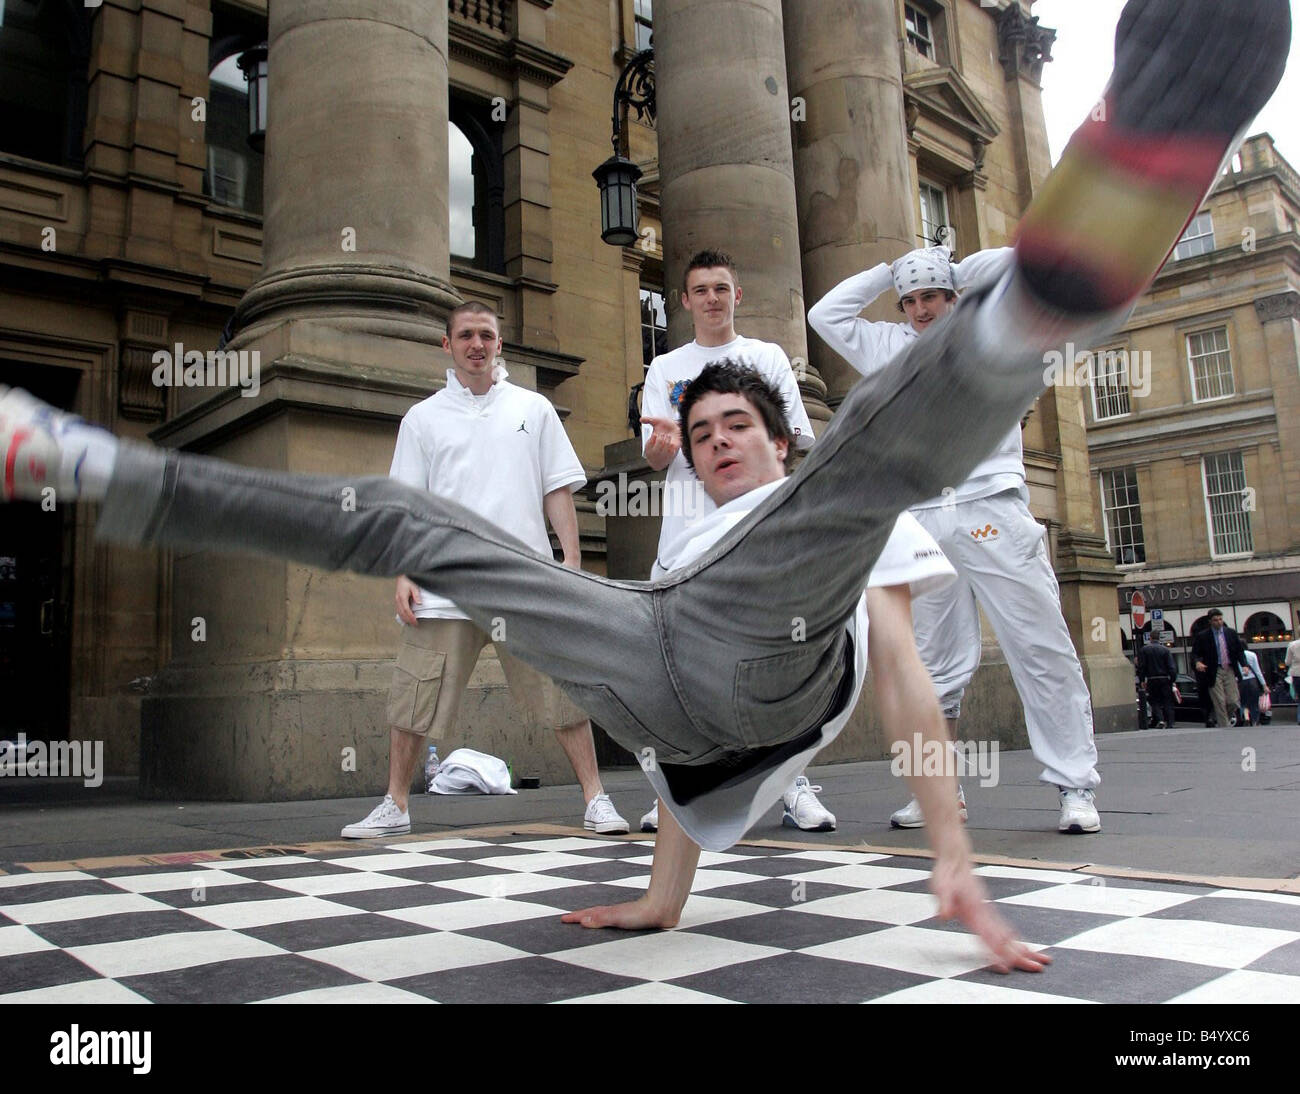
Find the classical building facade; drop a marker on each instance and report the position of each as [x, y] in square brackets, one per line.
[416, 153]
[1192, 419]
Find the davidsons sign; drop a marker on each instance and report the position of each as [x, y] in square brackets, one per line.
[1214, 591]
[1188, 593]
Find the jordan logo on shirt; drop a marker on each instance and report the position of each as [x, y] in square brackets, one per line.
[523, 427]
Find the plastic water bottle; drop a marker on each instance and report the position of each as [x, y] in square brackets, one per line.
[431, 765]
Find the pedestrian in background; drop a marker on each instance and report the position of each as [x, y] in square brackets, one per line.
[1156, 672]
[1291, 670]
[1220, 657]
[1253, 686]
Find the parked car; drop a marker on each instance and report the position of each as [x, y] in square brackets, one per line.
[1188, 708]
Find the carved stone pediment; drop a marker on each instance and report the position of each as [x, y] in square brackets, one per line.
[943, 96]
[489, 47]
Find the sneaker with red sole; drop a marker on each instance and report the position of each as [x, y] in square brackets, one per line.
[29, 450]
[1190, 76]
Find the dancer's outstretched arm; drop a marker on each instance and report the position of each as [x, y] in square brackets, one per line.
[675, 860]
[906, 701]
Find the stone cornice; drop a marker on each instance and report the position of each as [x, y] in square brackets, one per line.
[537, 63]
[1162, 433]
[506, 56]
[552, 367]
[369, 391]
[1283, 305]
[1224, 259]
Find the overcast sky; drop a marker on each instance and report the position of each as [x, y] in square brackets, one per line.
[1082, 58]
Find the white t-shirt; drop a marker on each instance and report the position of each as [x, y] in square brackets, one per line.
[869, 347]
[684, 501]
[1292, 663]
[498, 454]
[717, 819]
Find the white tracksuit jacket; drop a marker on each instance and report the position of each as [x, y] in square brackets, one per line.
[999, 551]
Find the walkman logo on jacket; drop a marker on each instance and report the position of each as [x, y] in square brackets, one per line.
[988, 532]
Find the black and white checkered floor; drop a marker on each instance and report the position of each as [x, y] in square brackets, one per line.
[477, 920]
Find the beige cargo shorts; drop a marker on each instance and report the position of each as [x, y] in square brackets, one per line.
[433, 667]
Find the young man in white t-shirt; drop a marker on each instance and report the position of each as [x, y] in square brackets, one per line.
[985, 528]
[499, 450]
[711, 293]
[1291, 670]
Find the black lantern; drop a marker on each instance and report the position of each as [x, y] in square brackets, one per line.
[618, 212]
[253, 65]
[618, 175]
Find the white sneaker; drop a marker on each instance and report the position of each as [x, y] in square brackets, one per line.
[41, 447]
[1078, 813]
[803, 810]
[602, 817]
[910, 815]
[384, 820]
[650, 822]
[29, 454]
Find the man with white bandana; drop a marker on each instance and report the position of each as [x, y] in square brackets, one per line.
[985, 528]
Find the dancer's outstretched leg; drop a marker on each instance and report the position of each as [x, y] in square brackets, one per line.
[598, 637]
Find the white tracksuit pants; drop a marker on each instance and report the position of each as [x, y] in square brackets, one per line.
[1000, 554]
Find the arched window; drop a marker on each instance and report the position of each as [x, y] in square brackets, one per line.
[44, 50]
[233, 176]
[476, 185]
[460, 194]
[654, 322]
[1266, 627]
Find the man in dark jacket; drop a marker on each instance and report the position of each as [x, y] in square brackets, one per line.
[1156, 672]
[1219, 655]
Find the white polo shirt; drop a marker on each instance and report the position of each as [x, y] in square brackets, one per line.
[497, 454]
[684, 501]
[718, 818]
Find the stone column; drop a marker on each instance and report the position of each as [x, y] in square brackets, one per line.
[277, 684]
[727, 168]
[855, 191]
[357, 127]
[1023, 48]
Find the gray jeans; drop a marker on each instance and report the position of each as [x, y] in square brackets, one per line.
[741, 649]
